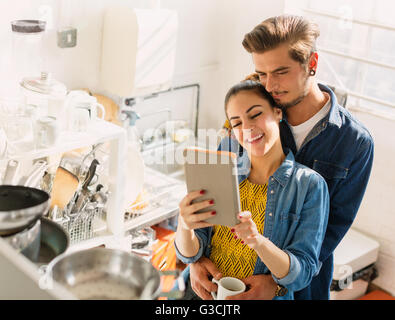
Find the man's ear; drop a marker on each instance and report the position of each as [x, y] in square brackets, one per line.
[313, 62]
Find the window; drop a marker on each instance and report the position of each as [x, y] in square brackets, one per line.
[356, 49]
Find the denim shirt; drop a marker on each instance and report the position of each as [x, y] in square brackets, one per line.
[295, 220]
[340, 149]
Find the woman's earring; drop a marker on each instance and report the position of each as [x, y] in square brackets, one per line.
[312, 72]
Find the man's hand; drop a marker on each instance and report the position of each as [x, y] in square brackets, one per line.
[199, 277]
[261, 287]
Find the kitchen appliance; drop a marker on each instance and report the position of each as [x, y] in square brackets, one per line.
[20, 206]
[354, 268]
[102, 273]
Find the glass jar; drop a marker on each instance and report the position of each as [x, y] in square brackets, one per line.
[27, 47]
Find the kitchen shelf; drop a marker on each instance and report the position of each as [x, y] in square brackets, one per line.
[15, 265]
[98, 132]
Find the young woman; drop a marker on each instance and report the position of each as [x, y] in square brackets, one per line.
[285, 204]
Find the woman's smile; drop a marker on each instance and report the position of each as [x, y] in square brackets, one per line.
[255, 139]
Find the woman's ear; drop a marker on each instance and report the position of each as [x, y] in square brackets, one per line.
[278, 114]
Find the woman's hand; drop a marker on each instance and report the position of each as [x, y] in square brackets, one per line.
[188, 219]
[246, 230]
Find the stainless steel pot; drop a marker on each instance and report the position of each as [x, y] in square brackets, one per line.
[108, 274]
[41, 242]
[26, 241]
[20, 206]
[54, 241]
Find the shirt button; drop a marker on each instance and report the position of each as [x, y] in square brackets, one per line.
[270, 214]
[272, 191]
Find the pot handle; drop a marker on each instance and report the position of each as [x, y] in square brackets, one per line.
[174, 294]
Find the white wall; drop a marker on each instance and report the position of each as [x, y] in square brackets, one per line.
[209, 43]
[376, 217]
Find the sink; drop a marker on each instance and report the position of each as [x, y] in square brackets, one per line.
[166, 158]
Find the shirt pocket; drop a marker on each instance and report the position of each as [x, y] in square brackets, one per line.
[330, 170]
[286, 228]
[290, 216]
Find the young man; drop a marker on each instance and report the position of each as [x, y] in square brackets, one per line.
[322, 135]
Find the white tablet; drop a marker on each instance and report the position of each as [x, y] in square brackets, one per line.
[216, 173]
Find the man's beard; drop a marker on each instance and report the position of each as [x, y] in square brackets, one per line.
[287, 105]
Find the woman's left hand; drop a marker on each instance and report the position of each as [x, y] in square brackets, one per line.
[247, 231]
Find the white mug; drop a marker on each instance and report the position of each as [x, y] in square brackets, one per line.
[228, 286]
[93, 108]
[81, 120]
[48, 132]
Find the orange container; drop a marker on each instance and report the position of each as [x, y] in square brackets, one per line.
[377, 295]
[164, 255]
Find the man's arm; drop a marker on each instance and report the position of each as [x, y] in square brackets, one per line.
[201, 273]
[346, 199]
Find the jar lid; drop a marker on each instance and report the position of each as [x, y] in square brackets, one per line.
[44, 85]
[28, 26]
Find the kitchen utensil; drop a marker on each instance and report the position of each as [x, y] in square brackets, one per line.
[20, 206]
[85, 194]
[102, 273]
[11, 173]
[54, 241]
[36, 173]
[26, 241]
[90, 154]
[64, 186]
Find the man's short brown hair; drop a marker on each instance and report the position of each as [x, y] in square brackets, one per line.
[296, 31]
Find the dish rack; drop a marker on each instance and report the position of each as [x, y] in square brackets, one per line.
[81, 226]
[158, 200]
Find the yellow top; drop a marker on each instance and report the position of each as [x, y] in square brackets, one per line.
[231, 257]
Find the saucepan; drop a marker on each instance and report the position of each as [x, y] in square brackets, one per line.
[20, 206]
[54, 241]
[109, 274]
[41, 242]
